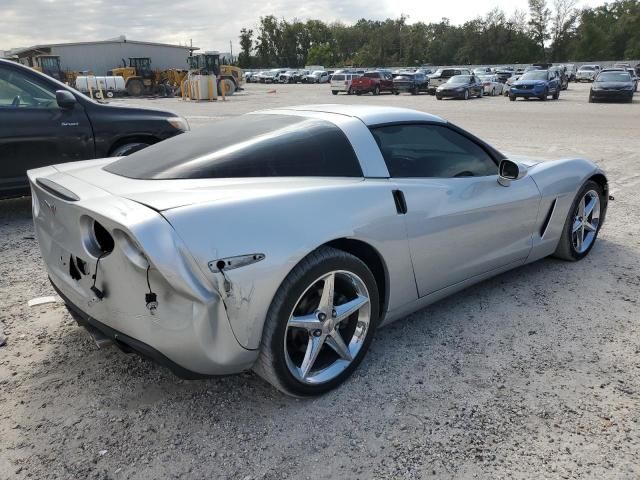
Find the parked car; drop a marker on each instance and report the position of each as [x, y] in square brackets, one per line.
[503, 75]
[298, 305]
[536, 84]
[612, 85]
[45, 121]
[443, 75]
[460, 86]
[482, 71]
[634, 77]
[268, 76]
[317, 76]
[341, 82]
[413, 83]
[373, 82]
[562, 76]
[570, 71]
[292, 76]
[491, 84]
[587, 73]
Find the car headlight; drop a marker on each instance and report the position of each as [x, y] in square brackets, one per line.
[179, 123]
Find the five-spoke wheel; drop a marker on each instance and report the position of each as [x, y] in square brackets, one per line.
[320, 323]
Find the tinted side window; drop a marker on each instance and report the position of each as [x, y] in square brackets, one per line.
[431, 151]
[247, 146]
[18, 90]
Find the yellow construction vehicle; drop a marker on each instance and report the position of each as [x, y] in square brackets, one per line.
[208, 63]
[49, 65]
[138, 77]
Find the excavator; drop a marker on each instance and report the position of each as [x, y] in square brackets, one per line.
[208, 63]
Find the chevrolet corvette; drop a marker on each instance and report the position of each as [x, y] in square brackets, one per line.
[280, 240]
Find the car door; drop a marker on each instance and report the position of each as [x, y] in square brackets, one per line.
[35, 130]
[460, 221]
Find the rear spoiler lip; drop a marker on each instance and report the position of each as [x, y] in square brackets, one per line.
[57, 190]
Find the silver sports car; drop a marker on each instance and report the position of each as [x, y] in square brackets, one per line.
[280, 240]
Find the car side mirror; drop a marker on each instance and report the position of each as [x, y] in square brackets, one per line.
[65, 99]
[509, 171]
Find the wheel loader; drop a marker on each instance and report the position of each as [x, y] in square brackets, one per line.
[208, 63]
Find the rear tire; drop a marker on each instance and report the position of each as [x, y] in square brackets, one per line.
[335, 92]
[284, 345]
[567, 248]
[545, 95]
[512, 98]
[376, 91]
[439, 97]
[466, 94]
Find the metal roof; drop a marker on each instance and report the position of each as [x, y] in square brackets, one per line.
[120, 39]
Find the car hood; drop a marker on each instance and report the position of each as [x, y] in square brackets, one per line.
[528, 82]
[162, 195]
[452, 86]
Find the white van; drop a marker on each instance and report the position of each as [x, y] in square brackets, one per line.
[341, 82]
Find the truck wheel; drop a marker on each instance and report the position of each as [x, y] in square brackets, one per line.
[376, 91]
[230, 87]
[135, 87]
[128, 149]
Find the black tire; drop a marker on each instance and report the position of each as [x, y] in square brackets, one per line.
[335, 92]
[556, 95]
[135, 87]
[591, 99]
[376, 91]
[439, 97]
[128, 149]
[349, 92]
[466, 94]
[512, 98]
[272, 364]
[565, 249]
[545, 95]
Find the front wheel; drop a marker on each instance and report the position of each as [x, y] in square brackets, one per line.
[582, 224]
[544, 96]
[466, 94]
[335, 92]
[376, 91]
[556, 95]
[512, 98]
[320, 324]
[439, 97]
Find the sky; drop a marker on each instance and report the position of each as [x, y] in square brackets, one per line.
[210, 24]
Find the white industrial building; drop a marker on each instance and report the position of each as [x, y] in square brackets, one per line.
[100, 56]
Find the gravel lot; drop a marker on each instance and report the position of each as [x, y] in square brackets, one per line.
[533, 374]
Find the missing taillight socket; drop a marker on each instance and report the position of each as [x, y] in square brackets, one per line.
[103, 238]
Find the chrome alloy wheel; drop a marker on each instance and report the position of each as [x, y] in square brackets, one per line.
[586, 221]
[327, 327]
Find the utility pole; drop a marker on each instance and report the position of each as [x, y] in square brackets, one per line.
[231, 50]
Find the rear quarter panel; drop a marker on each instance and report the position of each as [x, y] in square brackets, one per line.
[286, 227]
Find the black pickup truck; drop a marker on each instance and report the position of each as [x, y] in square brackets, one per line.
[44, 122]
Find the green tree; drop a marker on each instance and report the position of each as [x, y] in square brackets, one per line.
[246, 47]
[539, 16]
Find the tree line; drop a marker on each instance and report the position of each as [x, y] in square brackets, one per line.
[557, 31]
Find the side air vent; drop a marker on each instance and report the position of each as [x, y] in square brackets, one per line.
[547, 219]
[57, 190]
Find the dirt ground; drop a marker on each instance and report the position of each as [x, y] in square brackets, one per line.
[533, 374]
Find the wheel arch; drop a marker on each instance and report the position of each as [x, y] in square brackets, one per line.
[601, 180]
[372, 259]
[140, 138]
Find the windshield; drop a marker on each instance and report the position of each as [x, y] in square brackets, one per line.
[445, 72]
[535, 75]
[460, 79]
[587, 67]
[613, 77]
